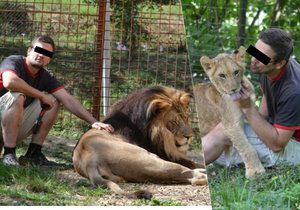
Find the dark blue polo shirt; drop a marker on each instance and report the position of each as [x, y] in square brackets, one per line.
[283, 98]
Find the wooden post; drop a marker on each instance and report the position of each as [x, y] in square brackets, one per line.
[100, 45]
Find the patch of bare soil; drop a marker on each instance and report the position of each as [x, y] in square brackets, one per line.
[184, 194]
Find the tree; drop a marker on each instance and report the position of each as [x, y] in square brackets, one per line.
[217, 26]
[242, 23]
[277, 12]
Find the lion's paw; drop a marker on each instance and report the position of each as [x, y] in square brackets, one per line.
[199, 177]
[252, 173]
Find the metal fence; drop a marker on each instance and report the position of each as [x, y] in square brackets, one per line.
[105, 49]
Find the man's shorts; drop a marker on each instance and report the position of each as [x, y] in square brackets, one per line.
[290, 154]
[31, 113]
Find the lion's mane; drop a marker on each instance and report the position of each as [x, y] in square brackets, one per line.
[134, 116]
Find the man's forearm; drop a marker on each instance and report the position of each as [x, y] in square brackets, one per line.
[264, 130]
[19, 85]
[76, 108]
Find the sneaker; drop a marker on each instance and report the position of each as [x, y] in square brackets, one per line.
[10, 160]
[36, 160]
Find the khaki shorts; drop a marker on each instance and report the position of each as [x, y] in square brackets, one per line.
[31, 113]
[290, 154]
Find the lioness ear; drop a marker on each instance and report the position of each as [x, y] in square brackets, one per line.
[157, 106]
[239, 55]
[206, 63]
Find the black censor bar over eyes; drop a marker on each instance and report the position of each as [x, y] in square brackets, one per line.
[258, 55]
[43, 51]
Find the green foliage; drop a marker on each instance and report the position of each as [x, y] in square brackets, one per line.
[278, 188]
[156, 202]
[43, 186]
[212, 26]
[125, 15]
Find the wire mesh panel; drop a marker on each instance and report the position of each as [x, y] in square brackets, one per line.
[148, 46]
[104, 49]
[72, 25]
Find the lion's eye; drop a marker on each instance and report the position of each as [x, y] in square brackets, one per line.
[223, 76]
[236, 72]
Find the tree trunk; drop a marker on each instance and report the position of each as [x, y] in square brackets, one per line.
[254, 19]
[242, 23]
[278, 7]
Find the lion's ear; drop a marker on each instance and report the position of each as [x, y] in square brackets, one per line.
[185, 99]
[206, 63]
[239, 55]
[157, 106]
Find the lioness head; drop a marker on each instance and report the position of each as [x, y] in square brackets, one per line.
[226, 70]
[169, 125]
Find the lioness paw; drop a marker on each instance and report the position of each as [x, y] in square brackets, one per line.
[253, 173]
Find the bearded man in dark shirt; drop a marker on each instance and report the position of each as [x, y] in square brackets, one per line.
[274, 129]
[25, 87]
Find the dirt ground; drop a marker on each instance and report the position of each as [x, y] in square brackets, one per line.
[183, 194]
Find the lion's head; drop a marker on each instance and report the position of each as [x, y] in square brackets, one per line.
[226, 70]
[156, 119]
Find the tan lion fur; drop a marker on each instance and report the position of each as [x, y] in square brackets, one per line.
[150, 143]
[214, 104]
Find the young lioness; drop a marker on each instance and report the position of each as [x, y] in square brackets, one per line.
[214, 104]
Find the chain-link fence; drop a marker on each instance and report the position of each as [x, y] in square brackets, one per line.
[105, 49]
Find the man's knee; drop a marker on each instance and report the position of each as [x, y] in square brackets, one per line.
[13, 103]
[19, 101]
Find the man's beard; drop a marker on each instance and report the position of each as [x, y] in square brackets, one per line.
[36, 66]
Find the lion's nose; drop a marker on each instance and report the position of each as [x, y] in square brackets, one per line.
[188, 134]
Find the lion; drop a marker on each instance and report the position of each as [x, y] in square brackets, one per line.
[214, 104]
[149, 143]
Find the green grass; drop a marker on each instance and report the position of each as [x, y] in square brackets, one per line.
[156, 202]
[279, 188]
[51, 186]
[44, 186]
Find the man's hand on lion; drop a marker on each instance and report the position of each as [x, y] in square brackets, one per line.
[103, 126]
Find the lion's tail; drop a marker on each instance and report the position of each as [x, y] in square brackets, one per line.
[97, 179]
